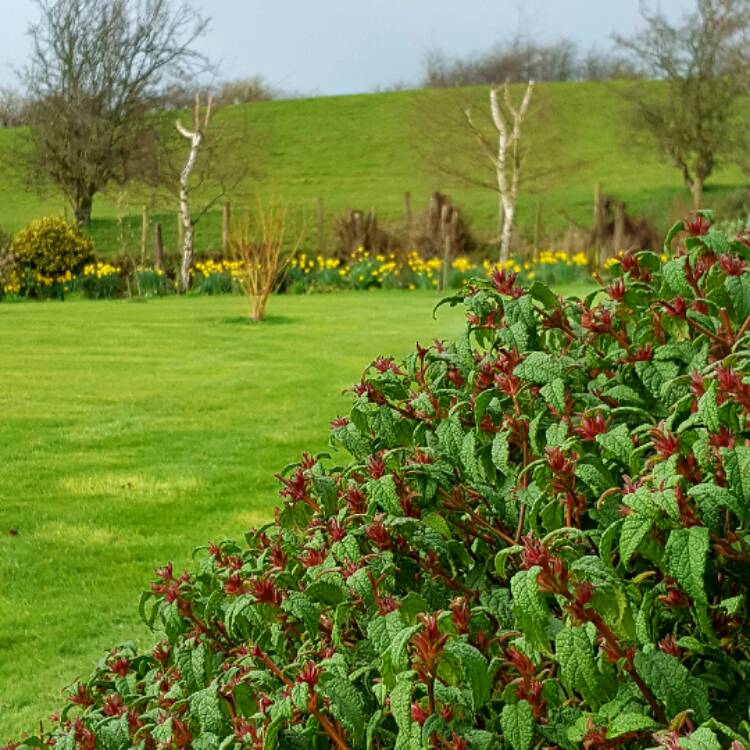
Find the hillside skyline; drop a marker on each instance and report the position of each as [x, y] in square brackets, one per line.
[337, 47]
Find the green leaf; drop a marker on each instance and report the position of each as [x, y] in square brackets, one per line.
[474, 668]
[672, 684]
[635, 529]
[401, 705]
[738, 288]
[701, 739]
[629, 722]
[575, 655]
[517, 723]
[673, 273]
[383, 492]
[530, 607]
[617, 443]
[539, 367]
[205, 708]
[347, 706]
[711, 496]
[736, 462]
[686, 553]
[544, 294]
[554, 394]
[500, 451]
[469, 459]
[708, 409]
[674, 230]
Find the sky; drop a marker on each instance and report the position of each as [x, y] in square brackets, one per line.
[322, 47]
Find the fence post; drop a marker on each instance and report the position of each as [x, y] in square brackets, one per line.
[619, 234]
[321, 226]
[226, 218]
[445, 221]
[407, 213]
[158, 248]
[144, 233]
[537, 231]
[599, 220]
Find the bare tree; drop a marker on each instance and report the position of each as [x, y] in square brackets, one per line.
[695, 117]
[520, 59]
[195, 136]
[96, 71]
[505, 155]
[12, 108]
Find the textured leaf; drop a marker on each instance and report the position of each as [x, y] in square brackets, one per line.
[738, 288]
[686, 554]
[554, 394]
[672, 684]
[517, 723]
[708, 409]
[530, 606]
[617, 443]
[474, 668]
[500, 451]
[635, 529]
[383, 492]
[673, 273]
[401, 705]
[575, 655]
[629, 722]
[205, 708]
[539, 367]
[347, 705]
[701, 739]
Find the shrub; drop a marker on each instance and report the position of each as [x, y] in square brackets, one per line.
[51, 251]
[540, 540]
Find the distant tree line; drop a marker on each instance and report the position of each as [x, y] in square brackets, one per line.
[521, 59]
[14, 106]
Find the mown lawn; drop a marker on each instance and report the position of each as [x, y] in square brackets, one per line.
[132, 432]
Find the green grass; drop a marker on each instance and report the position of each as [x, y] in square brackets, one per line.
[366, 150]
[132, 432]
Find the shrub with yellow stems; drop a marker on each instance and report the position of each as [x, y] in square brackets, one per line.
[48, 253]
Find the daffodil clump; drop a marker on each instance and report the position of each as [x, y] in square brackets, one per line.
[363, 270]
[99, 280]
[217, 276]
[151, 282]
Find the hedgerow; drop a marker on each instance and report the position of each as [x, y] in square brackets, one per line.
[540, 541]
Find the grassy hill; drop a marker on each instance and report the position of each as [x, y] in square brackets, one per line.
[365, 151]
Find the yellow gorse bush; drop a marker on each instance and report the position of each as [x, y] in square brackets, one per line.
[51, 248]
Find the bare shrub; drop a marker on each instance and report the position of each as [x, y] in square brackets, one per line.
[256, 243]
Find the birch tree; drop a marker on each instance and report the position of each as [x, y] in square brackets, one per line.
[195, 137]
[505, 155]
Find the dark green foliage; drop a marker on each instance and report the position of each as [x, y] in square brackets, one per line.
[541, 541]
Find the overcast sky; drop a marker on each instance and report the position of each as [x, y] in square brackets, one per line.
[348, 46]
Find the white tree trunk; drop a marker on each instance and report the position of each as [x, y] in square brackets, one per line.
[195, 136]
[187, 222]
[508, 160]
